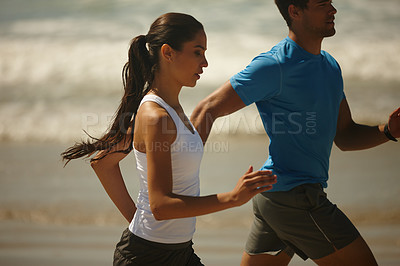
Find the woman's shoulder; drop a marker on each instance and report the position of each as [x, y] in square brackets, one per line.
[154, 120]
[152, 112]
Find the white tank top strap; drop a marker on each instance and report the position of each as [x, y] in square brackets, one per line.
[172, 113]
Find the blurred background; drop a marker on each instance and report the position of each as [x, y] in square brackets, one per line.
[60, 74]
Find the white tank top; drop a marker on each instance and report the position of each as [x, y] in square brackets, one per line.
[186, 155]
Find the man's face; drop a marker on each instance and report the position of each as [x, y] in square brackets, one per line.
[318, 18]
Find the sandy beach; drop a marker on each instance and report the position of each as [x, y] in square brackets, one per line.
[50, 215]
[84, 245]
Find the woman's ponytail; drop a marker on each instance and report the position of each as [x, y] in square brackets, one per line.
[138, 75]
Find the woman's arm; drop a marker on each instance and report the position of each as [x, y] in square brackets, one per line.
[108, 171]
[167, 205]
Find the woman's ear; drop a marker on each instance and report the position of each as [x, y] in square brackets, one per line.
[167, 52]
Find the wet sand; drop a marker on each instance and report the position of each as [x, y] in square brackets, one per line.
[85, 245]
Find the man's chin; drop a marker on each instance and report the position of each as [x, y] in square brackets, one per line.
[330, 33]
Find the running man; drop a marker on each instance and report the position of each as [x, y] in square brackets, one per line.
[292, 82]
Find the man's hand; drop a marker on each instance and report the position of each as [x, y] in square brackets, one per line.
[394, 123]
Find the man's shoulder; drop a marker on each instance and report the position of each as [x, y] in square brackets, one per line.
[327, 55]
[264, 61]
[279, 48]
[286, 52]
[271, 57]
[330, 59]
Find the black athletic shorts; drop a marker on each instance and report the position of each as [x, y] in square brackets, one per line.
[133, 250]
[301, 220]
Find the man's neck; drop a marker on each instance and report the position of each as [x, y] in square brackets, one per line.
[308, 43]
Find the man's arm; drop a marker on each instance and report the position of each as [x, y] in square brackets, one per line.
[223, 101]
[353, 136]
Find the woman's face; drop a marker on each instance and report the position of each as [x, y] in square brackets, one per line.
[188, 63]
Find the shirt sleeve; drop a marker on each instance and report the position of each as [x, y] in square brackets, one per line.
[339, 69]
[260, 80]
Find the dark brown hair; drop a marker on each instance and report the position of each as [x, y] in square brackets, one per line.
[138, 73]
[283, 6]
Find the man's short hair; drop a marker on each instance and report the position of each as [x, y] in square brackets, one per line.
[283, 6]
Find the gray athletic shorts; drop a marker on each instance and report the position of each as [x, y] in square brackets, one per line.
[133, 250]
[301, 221]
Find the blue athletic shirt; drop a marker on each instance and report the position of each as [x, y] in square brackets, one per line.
[298, 95]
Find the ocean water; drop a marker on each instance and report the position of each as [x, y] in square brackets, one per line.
[61, 61]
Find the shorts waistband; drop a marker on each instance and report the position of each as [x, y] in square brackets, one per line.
[162, 245]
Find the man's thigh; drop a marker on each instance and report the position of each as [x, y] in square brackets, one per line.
[281, 259]
[356, 253]
[304, 220]
[262, 239]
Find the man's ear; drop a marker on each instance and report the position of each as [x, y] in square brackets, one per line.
[167, 52]
[294, 12]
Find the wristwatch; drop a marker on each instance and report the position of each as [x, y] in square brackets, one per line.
[387, 133]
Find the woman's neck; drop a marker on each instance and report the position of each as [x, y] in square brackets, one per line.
[167, 91]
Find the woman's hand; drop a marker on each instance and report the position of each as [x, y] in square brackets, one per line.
[250, 184]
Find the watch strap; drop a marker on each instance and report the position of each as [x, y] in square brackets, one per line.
[387, 133]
